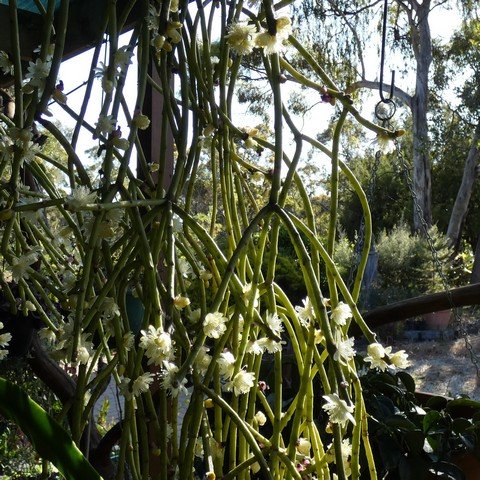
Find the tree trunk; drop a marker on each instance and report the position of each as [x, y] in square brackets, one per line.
[422, 48]
[475, 277]
[460, 206]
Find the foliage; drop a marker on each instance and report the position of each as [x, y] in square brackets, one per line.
[207, 242]
[48, 438]
[411, 439]
[406, 265]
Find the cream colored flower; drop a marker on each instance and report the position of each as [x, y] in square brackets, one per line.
[304, 446]
[37, 72]
[260, 418]
[377, 355]
[399, 359]
[275, 323]
[5, 64]
[341, 313]
[241, 37]
[142, 122]
[84, 349]
[123, 57]
[305, 314]
[157, 344]
[242, 383]
[247, 295]
[385, 144]
[226, 365]
[20, 265]
[338, 410]
[214, 324]
[170, 383]
[80, 196]
[180, 302]
[203, 360]
[274, 43]
[142, 384]
[345, 351]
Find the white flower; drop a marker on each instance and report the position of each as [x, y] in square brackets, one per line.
[141, 121]
[157, 345]
[84, 349]
[47, 335]
[341, 313]
[376, 356]
[247, 295]
[80, 196]
[338, 410]
[305, 314]
[38, 72]
[319, 336]
[172, 385]
[214, 324]
[29, 152]
[142, 384]
[105, 124]
[240, 37]
[203, 360]
[5, 64]
[123, 57]
[269, 345]
[152, 17]
[284, 27]
[274, 43]
[399, 359]
[180, 302]
[345, 351]
[21, 264]
[260, 418]
[109, 308]
[226, 365]
[304, 446]
[275, 323]
[385, 144]
[242, 383]
[255, 348]
[4, 340]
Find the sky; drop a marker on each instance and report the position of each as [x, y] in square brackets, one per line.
[75, 71]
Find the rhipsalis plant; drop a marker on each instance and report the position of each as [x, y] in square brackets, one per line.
[220, 374]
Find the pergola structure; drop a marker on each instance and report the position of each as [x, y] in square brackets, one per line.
[85, 26]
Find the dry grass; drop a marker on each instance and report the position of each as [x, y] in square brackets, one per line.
[444, 367]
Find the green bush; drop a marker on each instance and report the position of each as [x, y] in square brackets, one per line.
[406, 265]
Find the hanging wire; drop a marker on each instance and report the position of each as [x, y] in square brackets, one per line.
[382, 59]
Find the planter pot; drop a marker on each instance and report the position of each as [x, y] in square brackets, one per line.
[438, 320]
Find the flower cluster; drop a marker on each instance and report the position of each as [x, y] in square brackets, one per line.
[382, 358]
[214, 324]
[338, 410]
[243, 37]
[4, 341]
[158, 345]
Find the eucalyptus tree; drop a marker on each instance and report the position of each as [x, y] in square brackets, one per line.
[345, 40]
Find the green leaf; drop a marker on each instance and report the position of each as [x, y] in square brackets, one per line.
[461, 425]
[463, 402]
[399, 421]
[431, 420]
[47, 437]
[407, 381]
[415, 441]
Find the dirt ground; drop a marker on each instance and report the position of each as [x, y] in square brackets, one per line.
[444, 367]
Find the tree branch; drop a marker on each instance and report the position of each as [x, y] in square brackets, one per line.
[403, 96]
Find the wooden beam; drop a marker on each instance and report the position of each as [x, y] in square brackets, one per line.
[412, 307]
